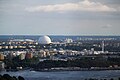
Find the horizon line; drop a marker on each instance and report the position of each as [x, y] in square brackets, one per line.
[57, 35]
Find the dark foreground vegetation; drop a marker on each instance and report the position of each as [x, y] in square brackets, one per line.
[8, 77]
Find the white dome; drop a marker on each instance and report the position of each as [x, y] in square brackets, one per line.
[44, 40]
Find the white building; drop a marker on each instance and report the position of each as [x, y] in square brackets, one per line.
[44, 40]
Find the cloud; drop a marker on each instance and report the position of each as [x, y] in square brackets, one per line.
[85, 5]
[107, 26]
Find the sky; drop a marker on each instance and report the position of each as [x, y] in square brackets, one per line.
[59, 17]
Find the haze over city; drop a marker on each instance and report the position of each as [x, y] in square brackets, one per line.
[60, 17]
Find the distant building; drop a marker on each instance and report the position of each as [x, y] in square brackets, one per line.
[68, 40]
[29, 55]
[1, 56]
[22, 40]
[22, 56]
[0, 47]
[44, 40]
[11, 55]
[41, 53]
[2, 66]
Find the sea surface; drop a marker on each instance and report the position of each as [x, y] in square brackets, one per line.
[55, 37]
[66, 75]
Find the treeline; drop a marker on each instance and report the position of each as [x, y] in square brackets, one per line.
[82, 63]
[16, 62]
[8, 77]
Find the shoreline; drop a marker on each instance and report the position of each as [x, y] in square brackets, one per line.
[58, 69]
[74, 69]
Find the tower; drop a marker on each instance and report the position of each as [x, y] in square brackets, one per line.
[103, 46]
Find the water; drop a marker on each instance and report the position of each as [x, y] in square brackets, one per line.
[65, 75]
[54, 37]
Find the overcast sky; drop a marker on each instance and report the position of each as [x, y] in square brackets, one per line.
[60, 17]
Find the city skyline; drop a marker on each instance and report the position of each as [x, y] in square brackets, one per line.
[65, 17]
